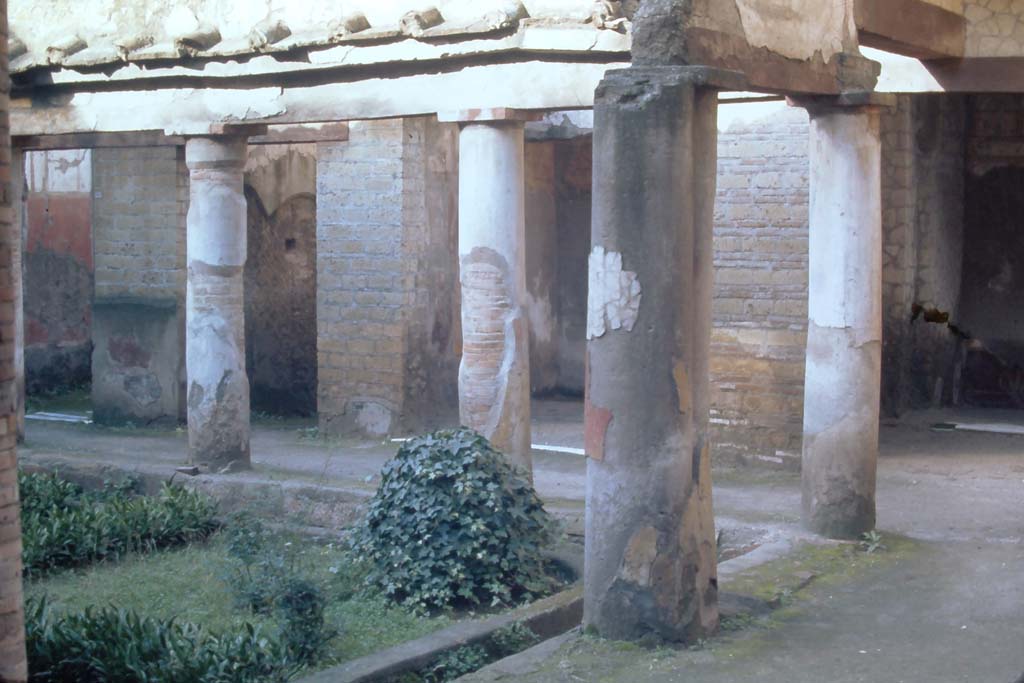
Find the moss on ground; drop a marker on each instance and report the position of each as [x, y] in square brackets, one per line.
[778, 581]
[781, 582]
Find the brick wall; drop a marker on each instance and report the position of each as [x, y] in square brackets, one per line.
[13, 667]
[140, 200]
[899, 253]
[386, 274]
[760, 295]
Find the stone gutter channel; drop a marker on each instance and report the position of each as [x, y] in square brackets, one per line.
[552, 619]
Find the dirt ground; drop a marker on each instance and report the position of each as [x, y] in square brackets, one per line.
[950, 610]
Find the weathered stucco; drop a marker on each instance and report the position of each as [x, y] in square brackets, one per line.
[43, 24]
[798, 29]
[58, 269]
[995, 28]
[494, 378]
[650, 569]
[218, 388]
[844, 332]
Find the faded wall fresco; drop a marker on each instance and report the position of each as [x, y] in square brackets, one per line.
[58, 270]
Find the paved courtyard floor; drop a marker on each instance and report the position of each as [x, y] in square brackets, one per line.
[949, 609]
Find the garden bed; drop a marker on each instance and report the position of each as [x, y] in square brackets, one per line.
[119, 583]
[188, 585]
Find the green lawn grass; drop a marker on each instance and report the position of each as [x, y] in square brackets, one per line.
[188, 584]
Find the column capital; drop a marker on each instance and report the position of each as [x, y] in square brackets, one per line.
[204, 152]
[844, 103]
[698, 76]
[489, 115]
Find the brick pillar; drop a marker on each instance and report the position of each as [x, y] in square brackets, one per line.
[139, 204]
[650, 568]
[844, 330]
[387, 292]
[218, 388]
[17, 243]
[494, 378]
[13, 667]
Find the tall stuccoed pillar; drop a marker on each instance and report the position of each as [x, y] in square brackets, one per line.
[651, 569]
[217, 385]
[494, 375]
[844, 328]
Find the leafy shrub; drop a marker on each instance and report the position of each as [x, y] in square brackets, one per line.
[265, 575]
[62, 526]
[454, 523]
[43, 491]
[512, 639]
[118, 646]
[300, 608]
[256, 573]
[456, 663]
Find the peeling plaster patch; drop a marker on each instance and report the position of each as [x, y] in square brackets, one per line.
[595, 426]
[538, 310]
[640, 556]
[373, 417]
[682, 382]
[613, 298]
[797, 29]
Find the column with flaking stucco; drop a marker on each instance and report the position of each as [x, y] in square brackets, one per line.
[13, 666]
[217, 386]
[494, 376]
[844, 329]
[651, 566]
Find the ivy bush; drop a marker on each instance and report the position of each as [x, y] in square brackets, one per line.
[118, 646]
[454, 524]
[64, 526]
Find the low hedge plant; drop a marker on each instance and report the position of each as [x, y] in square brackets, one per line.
[64, 526]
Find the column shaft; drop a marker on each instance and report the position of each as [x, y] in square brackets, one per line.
[18, 227]
[494, 376]
[13, 663]
[650, 541]
[844, 330]
[218, 389]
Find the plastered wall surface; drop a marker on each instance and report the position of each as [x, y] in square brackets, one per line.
[58, 269]
[796, 29]
[40, 22]
[995, 28]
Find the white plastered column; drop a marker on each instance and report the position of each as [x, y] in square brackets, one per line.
[494, 375]
[844, 329]
[217, 385]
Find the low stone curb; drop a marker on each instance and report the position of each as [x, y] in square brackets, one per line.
[547, 618]
[522, 663]
[303, 503]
